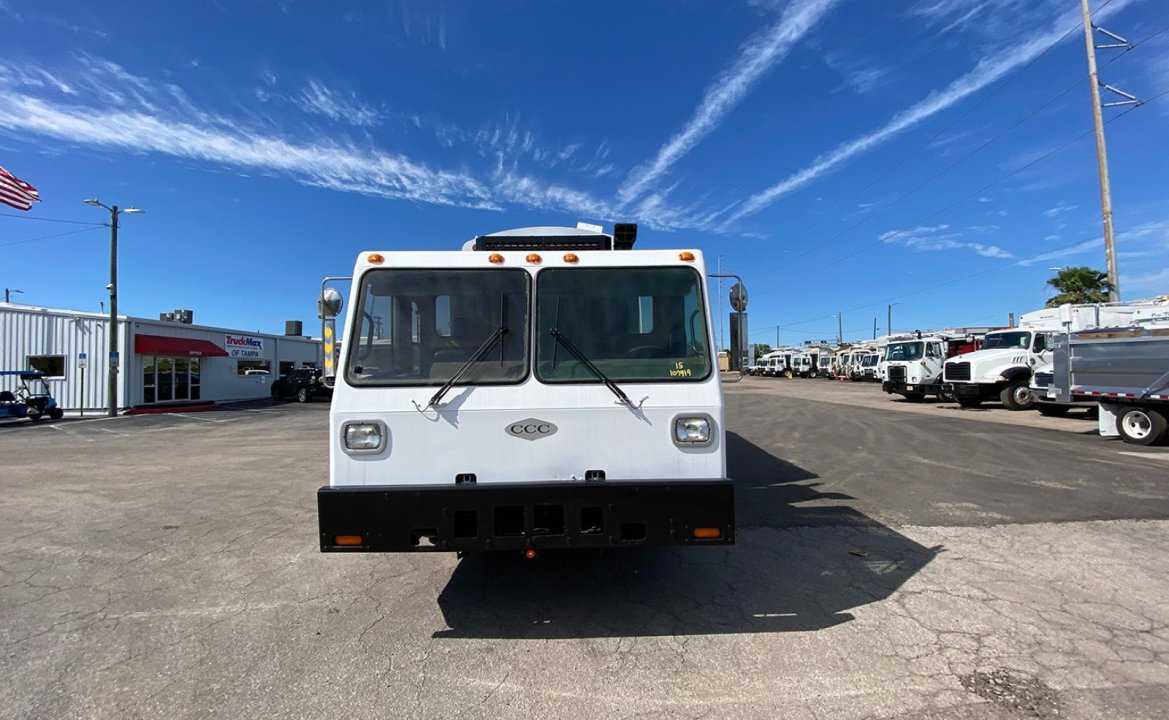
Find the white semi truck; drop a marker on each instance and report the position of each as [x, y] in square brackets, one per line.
[542, 388]
[1003, 368]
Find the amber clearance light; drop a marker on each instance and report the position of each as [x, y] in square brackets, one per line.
[495, 259]
[376, 258]
[534, 258]
[707, 533]
[347, 540]
[686, 255]
[571, 258]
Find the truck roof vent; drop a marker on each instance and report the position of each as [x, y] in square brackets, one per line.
[624, 235]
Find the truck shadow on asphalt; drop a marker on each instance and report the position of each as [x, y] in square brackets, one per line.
[794, 568]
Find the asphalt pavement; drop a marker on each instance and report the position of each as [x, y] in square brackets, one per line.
[892, 562]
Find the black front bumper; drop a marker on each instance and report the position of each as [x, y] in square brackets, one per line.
[517, 516]
[901, 387]
[964, 389]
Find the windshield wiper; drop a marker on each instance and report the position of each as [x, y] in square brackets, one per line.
[475, 357]
[622, 398]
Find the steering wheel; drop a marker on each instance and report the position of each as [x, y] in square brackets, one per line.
[646, 351]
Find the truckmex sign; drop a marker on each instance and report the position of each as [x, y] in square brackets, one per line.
[244, 346]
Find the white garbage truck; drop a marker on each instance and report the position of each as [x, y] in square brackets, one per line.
[541, 388]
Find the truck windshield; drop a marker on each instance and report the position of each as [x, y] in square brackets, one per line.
[1012, 340]
[634, 324]
[419, 327]
[903, 351]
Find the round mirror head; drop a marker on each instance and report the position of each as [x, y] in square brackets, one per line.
[330, 303]
[739, 297]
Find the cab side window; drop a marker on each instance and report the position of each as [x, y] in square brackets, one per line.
[1040, 342]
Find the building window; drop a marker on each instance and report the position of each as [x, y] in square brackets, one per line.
[286, 367]
[49, 365]
[253, 367]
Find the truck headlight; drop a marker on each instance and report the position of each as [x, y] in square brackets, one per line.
[692, 430]
[363, 436]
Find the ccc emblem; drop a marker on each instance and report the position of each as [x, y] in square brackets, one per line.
[531, 429]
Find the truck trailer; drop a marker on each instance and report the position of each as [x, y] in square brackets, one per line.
[1126, 370]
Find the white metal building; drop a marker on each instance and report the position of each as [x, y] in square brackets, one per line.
[161, 362]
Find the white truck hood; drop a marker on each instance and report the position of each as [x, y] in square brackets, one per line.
[990, 362]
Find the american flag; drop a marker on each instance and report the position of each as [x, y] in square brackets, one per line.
[15, 192]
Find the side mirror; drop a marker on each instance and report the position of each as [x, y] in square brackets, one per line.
[329, 304]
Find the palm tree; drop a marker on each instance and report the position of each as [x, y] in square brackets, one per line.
[1079, 286]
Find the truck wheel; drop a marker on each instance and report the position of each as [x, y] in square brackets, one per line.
[1017, 396]
[1141, 426]
[56, 413]
[302, 395]
[915, 397]
[969, 402]
[1050, 410]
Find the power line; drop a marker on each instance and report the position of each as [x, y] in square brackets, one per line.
[913, 153]
[965, 157]
[886, 237]
[52, 220]
[955, 281]
[50, 237]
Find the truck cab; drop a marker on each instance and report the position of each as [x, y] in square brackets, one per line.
[913, 368]
[1002, 369]
[543, 388]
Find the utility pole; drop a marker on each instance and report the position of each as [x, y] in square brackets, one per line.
[777, 336]
[1102, 151]
[874, 328]
[889, 319]
[114, 360]
[839, 329]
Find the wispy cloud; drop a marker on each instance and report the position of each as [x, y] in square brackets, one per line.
[939, 237]
[860, 74]
[726, 91]
[1154, 282]
[1059, 210]
[341, 107]
[986, 72]
[1077, 249]
[115, 110]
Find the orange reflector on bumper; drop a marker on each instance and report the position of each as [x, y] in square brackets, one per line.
[530, 554]
[348, 540]
[708, 533]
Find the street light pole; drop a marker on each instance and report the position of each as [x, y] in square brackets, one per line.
[114, 360]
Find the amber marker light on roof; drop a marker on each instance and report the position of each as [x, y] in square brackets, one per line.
[534, 258]
[495, 259]
[571, 258]
[376, 258]
[686, 255]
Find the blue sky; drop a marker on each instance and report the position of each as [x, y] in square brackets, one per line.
[840, 155]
